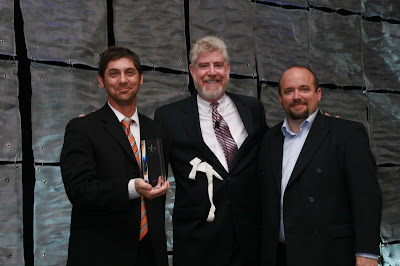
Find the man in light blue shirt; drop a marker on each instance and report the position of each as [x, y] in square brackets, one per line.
[321, 198]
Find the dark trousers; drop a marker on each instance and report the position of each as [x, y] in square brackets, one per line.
[281, 255]
[145, 252]
[235, 258]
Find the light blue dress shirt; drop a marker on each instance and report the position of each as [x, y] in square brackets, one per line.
[292, 146]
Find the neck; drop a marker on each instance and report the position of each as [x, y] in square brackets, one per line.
[127, 110]
[294, 125]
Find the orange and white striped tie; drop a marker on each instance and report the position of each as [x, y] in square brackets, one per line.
[144, 228]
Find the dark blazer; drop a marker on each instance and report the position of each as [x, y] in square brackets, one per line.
[332, 203]
[96, 165]
[237, 215]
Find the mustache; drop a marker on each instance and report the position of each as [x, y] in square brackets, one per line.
[297, 101]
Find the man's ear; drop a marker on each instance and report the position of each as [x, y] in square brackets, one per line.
[319, 92]
[141, 79]
[191, 69]
[100, 80]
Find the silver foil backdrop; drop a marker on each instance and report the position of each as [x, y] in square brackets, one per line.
[49, 52]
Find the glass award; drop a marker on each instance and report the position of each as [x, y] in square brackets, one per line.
[153, 168]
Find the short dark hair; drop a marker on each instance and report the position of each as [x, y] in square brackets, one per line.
[114, 53]
[316, 81]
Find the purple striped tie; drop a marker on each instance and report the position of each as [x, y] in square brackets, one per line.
[223, 135]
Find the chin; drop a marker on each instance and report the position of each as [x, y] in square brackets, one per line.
[299, 116]
[214, 94]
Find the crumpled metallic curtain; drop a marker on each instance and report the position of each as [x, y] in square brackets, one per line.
[73, 32]
[154, 30]
[11, 242]
[232, 22]
[10, 120]
[11, 227]
[353, 46]
[7, 36]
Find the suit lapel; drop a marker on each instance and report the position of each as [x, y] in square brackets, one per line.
[244, 113]
[318, 131]
[276, 154]
[191, 124]
[114, 128]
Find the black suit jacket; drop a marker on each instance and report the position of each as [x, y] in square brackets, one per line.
[237, 215]
[96, 165]
[332, 203]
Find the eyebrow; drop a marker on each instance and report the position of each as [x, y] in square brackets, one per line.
[208, 62]
[126, 69]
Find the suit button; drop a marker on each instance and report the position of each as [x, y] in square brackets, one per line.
[311, 199]
[228, 202]
[228, 178]
[318, 170]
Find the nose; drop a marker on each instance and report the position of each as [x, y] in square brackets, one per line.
[122, 78]
[211, 70]
[296, 94]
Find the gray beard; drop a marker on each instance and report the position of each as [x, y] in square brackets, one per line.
[209, 95]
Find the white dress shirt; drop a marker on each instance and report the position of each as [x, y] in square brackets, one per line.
[135, 131]
[227, 109]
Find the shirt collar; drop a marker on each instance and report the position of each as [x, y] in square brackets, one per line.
[120, 116]
[308, 122]
[205, 106]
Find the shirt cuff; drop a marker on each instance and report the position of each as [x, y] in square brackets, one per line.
[367, 255]
[133, 194]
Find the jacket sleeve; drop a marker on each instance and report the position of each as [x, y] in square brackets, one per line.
[86, 167]
[361, 174]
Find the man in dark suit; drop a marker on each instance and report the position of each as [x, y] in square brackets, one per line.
[102, 175]
[214, 139]
[321, 198]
